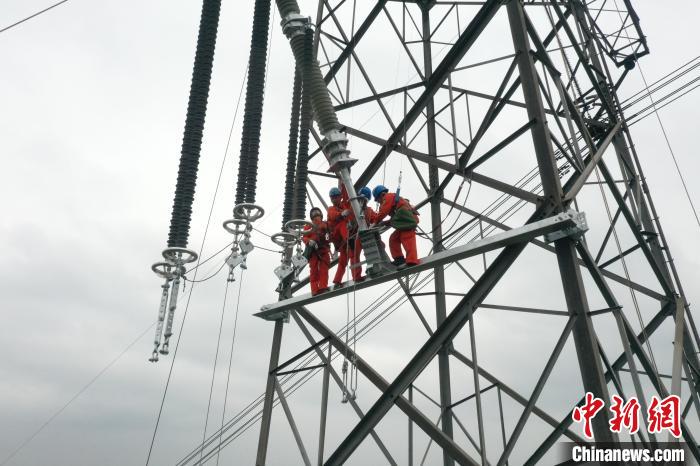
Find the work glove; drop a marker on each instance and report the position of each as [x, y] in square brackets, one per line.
[345, 213]
[313, 244]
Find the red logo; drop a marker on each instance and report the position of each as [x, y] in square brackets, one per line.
[665, 415]
[624, 414]
[586, 412]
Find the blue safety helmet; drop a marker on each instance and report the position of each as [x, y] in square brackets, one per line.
[378, 190]
[366, 193]
[334, 192]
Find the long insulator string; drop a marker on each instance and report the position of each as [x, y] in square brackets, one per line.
[252, 115]
[288, 207]
[194, 124]
[304, 129]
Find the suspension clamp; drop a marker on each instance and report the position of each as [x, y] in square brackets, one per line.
[179, 256]
[575, 232]
[240, 227]
[335, 145]
[172, 270]
[295, 24]
[286, 241]
[248, 211]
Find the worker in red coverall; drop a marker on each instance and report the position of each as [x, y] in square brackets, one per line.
[318, 252]
[338, 215]
[344, 228]
[404, 219]
[365, 194]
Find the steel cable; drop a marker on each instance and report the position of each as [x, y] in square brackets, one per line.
[32, 16]
[77, 395]
[216, 360]
[230, 359]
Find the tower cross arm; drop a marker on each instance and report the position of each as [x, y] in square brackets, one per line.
[563, 222]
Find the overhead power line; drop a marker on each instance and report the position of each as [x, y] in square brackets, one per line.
[32, 16]
[665, 134]
[75, 397]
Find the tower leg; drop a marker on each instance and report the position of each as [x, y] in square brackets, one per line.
[269, 394]
[436, 220]
[574, 292]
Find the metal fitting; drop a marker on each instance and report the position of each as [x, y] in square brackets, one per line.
[575, 232]
[335, 145]
[295, 24]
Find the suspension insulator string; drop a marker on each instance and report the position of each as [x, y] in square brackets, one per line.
[177, 254]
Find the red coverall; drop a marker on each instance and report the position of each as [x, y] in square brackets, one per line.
[320, 258]
[355, 267]
[345, 237]
[405, 238]
[338, 227]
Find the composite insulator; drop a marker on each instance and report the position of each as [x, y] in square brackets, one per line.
[252, 114]
[304, 130]
[313, 79]
[292, 149]
[194, 125]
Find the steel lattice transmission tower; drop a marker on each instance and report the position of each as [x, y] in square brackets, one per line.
[505, 117]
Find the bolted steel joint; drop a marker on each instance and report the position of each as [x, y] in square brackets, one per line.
[295, 24]
[335, 145]
[575, 232]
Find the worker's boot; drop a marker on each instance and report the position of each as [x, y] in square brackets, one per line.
[399, 261]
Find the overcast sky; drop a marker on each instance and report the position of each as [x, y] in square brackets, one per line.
[93, 98]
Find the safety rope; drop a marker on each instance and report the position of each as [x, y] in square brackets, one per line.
[350, 382]
[252, 114]
[194, 125]
[346, 355]
[353, 373]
